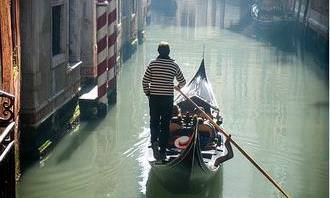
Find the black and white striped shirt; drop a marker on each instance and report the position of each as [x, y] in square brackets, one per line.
[159, 76]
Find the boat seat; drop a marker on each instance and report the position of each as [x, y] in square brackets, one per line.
[207, 156]
[186, 106]
[172, 156]
[209, 152]
[173, 151]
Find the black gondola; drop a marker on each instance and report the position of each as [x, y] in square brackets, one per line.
[194, 145]
[272, 20]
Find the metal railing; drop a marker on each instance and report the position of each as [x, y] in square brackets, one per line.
[7, 103]
[7, 149]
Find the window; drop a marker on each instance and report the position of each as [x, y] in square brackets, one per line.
[56, 29]
[59, 32]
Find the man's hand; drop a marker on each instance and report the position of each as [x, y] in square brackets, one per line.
[176, 87]
[148, 95]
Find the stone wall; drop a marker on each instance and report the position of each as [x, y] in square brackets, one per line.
[49, 79]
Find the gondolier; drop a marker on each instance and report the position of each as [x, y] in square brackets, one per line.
[196, 148]
[158, 86]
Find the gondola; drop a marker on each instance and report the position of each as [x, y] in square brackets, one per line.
[271, 20]
[194, 144]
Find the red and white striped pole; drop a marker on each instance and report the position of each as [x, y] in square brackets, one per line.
[102, 51]
[112, 42]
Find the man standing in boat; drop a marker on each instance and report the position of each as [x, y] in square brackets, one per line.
[158, 85]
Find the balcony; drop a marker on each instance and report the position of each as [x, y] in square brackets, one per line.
[7, 146]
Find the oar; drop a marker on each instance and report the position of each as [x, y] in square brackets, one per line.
[236, 145]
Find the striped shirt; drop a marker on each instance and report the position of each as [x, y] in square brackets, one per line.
[159, 76]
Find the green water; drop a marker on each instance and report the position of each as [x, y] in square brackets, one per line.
[274, 103]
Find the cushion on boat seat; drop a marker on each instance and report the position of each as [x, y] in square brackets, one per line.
[182, 142]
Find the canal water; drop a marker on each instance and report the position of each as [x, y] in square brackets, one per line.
[274, 100]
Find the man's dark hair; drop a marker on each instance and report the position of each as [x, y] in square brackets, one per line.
[163, 49]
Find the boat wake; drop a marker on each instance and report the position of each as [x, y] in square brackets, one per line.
[140, 151]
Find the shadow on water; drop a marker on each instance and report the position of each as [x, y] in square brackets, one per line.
[282, 39]
[321, 104]
[292, 40]
[80, 138]
[155, 188]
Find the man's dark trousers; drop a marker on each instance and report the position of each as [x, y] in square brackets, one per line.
[160, 116]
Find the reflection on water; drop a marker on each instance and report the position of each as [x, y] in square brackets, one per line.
[155, 188]
[198, 13]
[165, 7]
[274, 103]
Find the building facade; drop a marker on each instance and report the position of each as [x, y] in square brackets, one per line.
[68, 45]
[71, 52]
[133, 16]
[51, 48]
[313, 14]
[50, 57]
[143, 15]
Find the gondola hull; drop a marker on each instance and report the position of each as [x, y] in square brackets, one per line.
[187, 171]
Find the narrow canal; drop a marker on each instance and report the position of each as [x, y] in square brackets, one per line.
[274, 102]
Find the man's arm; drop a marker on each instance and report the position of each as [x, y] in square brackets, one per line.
[146, 81]
[180, 78]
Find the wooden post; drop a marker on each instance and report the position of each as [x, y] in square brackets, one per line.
[6, 45]
[16, 75]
